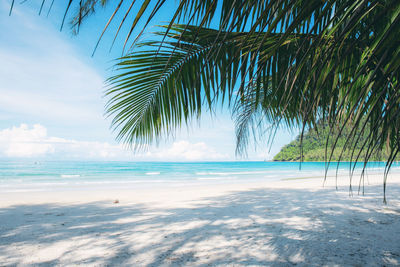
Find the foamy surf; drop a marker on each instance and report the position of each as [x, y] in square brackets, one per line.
[233, 173]
[70, 175]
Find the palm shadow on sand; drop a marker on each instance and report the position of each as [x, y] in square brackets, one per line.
[259, 227]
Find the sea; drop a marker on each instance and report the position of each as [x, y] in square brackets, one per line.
[29, 175]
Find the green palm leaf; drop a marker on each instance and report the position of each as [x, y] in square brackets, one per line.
[156, 90]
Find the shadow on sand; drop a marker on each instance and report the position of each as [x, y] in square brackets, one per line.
[271, 227]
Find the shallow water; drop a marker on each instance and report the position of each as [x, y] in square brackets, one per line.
[50, 175]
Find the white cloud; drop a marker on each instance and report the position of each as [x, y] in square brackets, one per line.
[24, 141]
[186, 151]
[30, 142]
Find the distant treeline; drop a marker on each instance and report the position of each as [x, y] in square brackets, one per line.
[314, 147]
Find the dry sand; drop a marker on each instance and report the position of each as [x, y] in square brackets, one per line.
[285, 223]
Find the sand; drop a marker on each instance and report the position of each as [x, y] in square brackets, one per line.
[283, 223]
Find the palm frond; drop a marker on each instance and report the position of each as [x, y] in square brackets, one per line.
[156, 90]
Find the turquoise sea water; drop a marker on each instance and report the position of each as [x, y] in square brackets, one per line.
[50, 175]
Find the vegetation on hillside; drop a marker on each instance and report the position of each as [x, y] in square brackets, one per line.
[313, 147]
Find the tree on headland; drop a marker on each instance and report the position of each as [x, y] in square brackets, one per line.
[274, 62]
[313, 145]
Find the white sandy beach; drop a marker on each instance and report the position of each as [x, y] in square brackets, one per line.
[284, 223]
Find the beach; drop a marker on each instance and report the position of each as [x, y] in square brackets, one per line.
[290, 222]
[200, 133]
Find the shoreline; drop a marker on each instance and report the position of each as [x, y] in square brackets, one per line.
[136, 192]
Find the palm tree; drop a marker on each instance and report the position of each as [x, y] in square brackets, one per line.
[292, 62]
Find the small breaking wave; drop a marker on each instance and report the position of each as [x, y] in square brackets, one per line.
[233, 173]
[152, 173]
[70, 175]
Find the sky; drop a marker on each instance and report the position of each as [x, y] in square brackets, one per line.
[52, 103]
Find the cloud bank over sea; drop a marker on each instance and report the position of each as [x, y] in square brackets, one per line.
[26, 141]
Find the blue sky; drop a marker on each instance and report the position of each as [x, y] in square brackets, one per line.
[52, 104]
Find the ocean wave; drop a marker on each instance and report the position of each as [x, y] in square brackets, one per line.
[152, 173]
[70, 175]
[233, 173]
